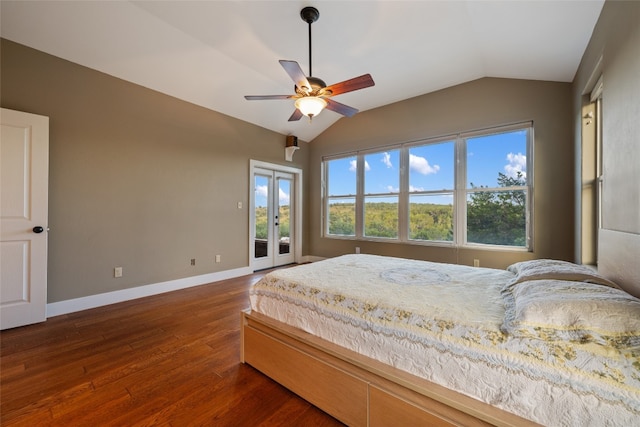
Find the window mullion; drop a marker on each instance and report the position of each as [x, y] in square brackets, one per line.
[460, 193]
[324, 210]
[360, 196]
[403, 197]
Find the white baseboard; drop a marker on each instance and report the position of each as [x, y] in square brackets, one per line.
[93, 301]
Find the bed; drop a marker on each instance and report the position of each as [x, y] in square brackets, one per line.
[380, 341]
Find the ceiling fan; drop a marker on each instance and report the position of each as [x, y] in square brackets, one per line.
[312, 94]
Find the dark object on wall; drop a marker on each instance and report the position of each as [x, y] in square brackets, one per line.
[292, 141]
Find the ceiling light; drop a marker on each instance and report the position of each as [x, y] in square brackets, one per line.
[310, 106]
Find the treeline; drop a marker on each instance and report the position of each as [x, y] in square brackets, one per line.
[493, 217]
[426, 221]
[261, 222]
[496, 218]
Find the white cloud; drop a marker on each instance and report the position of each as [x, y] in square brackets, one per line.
[386, 159]
[392, 189]
[284, 197]
[262, 190]
[353, 165]
[421, 165]
[412, 188]
[517, 163]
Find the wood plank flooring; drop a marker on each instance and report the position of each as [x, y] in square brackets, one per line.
[169, 360]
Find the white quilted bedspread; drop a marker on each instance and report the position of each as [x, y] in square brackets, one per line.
[442, 322]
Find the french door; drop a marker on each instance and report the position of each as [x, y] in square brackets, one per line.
[274, 214]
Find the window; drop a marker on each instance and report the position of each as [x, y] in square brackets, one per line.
[341, 196]
[597, 98]
[591, 174]
[471, 189]
[431, 191]
[496, 189]
[381, 194]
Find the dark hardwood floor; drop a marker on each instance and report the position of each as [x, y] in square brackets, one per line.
[168, 360]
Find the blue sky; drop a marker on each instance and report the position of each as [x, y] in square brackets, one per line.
[431, 169]
[262, 189]
[432, 166]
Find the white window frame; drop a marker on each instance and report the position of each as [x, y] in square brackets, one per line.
[461, 208]
[596, 97]
[362, 179]
[405, 184]
[460, 190]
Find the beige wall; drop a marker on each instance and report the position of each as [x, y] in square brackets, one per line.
[475, 105]
[616, 39]
[138, 179]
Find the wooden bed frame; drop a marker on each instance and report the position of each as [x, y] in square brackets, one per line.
[357, 390]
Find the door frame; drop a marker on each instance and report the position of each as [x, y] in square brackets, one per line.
[296, 208]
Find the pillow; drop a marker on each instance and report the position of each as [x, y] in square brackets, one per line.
[540, 269]
[575, 311]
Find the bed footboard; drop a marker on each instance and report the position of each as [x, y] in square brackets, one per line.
[354, 389]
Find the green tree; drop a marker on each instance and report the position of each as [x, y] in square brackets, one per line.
[498, 217]
[381, 220]
[342, 219]
[493, 217]
[261, 222]
[430, 222]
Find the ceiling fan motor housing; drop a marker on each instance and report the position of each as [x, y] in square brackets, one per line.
[316, 83]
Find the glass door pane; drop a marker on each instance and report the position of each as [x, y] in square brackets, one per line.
[284, 219]
[261, 239]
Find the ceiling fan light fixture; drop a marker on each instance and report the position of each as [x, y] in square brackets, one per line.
[311, 106]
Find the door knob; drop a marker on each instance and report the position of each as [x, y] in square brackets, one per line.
[38, 229]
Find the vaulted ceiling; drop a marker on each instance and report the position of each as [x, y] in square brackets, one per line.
[212, 53]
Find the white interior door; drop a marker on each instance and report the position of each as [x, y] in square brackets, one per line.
[24, 186]
[273, 218]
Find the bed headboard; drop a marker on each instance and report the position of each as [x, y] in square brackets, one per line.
[619, 259]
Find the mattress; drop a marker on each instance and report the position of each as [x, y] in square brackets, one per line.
[443, 323]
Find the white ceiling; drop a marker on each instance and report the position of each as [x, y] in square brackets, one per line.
[212, 53]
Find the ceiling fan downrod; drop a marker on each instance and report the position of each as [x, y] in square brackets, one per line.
[310, 15]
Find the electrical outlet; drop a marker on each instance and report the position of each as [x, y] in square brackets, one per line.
[217, 258]
[193, 261]
[476, 263]
[117, 272]
[357, 249]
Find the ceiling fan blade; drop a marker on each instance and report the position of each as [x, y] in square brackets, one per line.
[339, 108]
[261, 97]
[297, 75]
[297, 115]
[350, 85]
